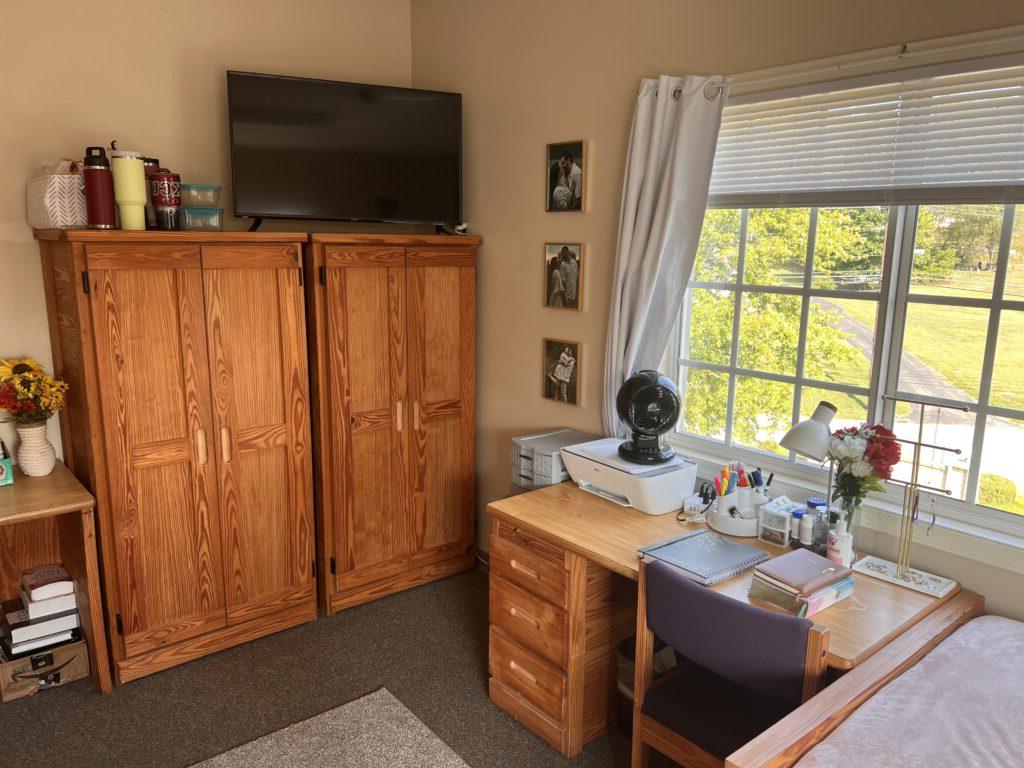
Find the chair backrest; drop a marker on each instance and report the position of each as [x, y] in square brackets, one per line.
[756, 648]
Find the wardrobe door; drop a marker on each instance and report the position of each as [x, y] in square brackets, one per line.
[442, 352]
[369, 414]
[147, 313]
[257, 349]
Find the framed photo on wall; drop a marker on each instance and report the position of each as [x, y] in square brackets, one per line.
[566, 182]
[561, 371]
[563, 275]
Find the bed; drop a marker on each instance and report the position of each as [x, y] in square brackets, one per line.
[948, 693]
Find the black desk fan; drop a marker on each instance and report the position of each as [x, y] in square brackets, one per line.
[648, 403]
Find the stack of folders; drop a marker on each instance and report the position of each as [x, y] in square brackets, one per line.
[46, 615]
[801, 583]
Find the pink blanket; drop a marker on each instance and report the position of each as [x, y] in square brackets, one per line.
[961, 706]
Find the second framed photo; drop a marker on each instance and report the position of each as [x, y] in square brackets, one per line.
[566, 182]
[563, 275]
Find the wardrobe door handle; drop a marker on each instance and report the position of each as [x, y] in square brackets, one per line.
[201, 446]
[416, 414]
[225, 444]
[398, 415]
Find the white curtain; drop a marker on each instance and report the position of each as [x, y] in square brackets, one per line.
[665, 191]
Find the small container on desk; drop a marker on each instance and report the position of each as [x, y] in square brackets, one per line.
[200, 195]
[735, 514]
[201, 219]
[773, 525]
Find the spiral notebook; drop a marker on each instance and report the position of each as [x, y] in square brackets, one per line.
[706, 557]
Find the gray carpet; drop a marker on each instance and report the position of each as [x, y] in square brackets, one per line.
[370, 732]
[427, 646]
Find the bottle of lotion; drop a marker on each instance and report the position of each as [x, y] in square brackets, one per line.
[840, 544]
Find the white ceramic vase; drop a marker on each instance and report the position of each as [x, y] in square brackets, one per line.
[36, 456]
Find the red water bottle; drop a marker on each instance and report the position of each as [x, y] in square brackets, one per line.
[99, 189]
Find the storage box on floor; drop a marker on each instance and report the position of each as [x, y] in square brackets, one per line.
[47, 669]
[535, 460]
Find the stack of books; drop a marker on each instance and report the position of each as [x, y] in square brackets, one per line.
[45, 616]
[801, 583]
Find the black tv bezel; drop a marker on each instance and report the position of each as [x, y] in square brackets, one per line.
[259, 215]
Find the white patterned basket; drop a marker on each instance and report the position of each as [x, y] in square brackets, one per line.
[56, 200]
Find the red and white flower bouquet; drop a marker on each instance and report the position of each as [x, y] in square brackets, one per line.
[864, 456]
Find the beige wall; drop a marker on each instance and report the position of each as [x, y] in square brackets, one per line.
[534, 72]
[152, 75]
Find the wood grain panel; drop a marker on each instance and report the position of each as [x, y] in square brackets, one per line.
[120, 236]
[203, 645]
[242, 256]
[442, 312]
[365, 337]
[439, 256]
[392, 240]
[254, 318]
[25, 545]
[366, 256]
[542, 684]
[524, 566]
[151, 359]
[123, 256]
[405, 579]
[529, 620]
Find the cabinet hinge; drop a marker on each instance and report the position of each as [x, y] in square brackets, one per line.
[334, 566]
[85, 281]
[302, 275]
[120, 624]
[322, 275]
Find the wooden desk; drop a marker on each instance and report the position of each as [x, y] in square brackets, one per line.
[563, 518]
[50, 519]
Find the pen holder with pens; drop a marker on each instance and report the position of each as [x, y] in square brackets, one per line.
[735, 514]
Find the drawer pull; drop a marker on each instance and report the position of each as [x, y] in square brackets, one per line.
[225, 444]
[523, 672]
[525, 617]
[516, 565]
[398, 416]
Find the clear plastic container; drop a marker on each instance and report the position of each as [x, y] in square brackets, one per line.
[201, 219]
[200, 196]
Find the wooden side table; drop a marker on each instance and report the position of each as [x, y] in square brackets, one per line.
[47, 520]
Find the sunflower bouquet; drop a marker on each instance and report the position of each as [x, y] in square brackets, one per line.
[28, 393]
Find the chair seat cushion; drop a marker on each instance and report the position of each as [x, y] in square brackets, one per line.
[714, 713]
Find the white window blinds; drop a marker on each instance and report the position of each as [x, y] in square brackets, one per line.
[947, 137]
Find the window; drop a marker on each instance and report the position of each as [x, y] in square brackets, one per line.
[864, 239]
[783, 310]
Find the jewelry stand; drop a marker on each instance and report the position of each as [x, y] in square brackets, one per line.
[900, 572]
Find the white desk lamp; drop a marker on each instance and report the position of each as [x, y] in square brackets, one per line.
[812, 438]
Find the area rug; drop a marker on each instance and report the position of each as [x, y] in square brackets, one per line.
[372, 732]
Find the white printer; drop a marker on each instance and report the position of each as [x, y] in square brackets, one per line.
[655, 489]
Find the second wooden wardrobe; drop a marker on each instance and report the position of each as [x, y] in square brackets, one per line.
[392, 352]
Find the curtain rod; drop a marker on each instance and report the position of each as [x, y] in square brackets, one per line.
[713, 90]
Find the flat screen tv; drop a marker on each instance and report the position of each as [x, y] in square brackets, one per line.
[318, 149]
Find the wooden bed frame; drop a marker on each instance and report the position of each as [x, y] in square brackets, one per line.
[791, 738]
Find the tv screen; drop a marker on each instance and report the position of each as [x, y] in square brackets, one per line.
[317, 149]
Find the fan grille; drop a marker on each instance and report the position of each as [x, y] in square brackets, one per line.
[652, 409]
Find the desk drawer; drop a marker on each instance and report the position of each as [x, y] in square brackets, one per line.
[533, 565]
[531, 621]
[535, 679]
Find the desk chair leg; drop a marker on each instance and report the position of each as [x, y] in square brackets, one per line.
[644, 670]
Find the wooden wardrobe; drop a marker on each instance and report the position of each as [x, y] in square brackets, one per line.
[392, 347]
[188, 418]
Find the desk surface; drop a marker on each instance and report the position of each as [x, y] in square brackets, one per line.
[31, 498]
[610, 536]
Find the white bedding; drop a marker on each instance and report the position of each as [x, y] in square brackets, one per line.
[961, 706]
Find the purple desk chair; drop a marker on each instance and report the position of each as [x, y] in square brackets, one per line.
[745, 669]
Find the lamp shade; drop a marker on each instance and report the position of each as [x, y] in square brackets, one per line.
[811, 437]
